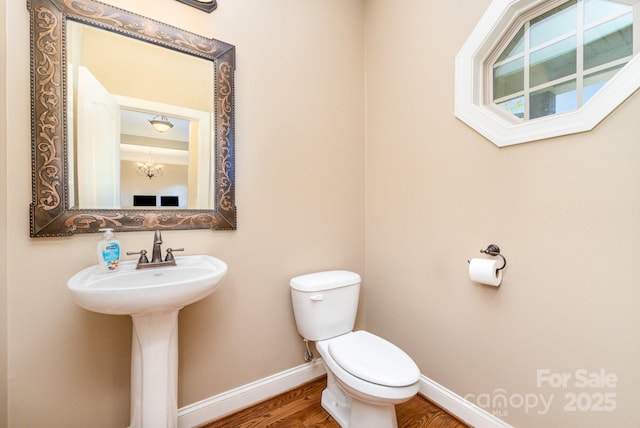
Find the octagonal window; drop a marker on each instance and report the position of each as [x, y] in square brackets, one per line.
[531, 60]
[558, 60]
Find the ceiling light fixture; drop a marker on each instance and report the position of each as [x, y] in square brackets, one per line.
[161, 123]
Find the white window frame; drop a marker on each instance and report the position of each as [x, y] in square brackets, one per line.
[472, 104]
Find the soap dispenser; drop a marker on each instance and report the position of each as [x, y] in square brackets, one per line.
[108, 251]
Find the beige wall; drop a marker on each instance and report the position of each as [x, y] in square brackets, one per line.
[300, 178]
[565, 212]
[3, 220]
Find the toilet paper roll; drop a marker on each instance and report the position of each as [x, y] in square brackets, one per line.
[485, 271]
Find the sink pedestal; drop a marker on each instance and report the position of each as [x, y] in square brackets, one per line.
[154, 370]
[153, 298]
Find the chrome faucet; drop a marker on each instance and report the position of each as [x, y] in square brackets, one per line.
[156, 255]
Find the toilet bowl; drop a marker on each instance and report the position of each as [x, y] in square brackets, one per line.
[366, 375]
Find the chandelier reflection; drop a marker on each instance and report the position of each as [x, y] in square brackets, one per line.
[149, 169]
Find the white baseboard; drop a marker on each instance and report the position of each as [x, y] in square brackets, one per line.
[459, 407]
[231, 401]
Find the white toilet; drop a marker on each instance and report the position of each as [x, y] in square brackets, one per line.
[366, 375]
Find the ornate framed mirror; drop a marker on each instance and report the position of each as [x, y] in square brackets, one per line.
[83, 177]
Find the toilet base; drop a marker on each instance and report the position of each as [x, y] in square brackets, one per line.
[351, 412]
[338, 410]
[335, 401]
[365, 415]
[359, 414]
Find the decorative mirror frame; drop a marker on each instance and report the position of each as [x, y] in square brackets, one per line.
[49, 210]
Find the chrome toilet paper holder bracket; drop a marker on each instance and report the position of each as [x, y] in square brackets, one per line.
[494, 250]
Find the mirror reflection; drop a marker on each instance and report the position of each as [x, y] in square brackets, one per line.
[118, 86]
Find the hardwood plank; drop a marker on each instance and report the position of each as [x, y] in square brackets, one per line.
[301, 408]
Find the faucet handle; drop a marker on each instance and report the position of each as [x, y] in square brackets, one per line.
[143, 256]
[170, 251]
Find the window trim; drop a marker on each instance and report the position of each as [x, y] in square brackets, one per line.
[471, 87]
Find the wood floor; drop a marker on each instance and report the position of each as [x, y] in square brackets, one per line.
[301, 408]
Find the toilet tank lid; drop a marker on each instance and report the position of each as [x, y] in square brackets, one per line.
[327, 280]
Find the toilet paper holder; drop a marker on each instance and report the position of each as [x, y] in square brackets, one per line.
[494, 250]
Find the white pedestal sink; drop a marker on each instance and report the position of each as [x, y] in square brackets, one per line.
[152, 297]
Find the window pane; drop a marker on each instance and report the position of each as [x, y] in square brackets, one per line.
[595, 81]
[595, 10]
[553, 100]
[553, 62]
[515, 47]
[608, 42]
[561, 20]
[508, 78]
[514, 106]
[548, 46]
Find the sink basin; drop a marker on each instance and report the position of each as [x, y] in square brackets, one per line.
[129, 291]
[152, 297]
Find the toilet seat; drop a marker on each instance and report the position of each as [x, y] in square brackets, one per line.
[373, 359]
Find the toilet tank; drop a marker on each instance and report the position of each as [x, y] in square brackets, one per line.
[325, 303]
